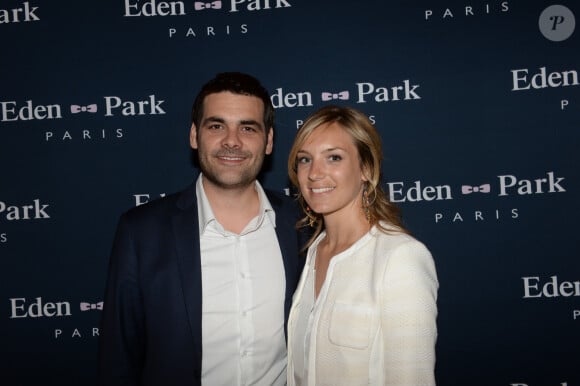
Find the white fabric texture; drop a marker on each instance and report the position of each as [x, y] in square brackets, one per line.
[243, 291]
[374, 321]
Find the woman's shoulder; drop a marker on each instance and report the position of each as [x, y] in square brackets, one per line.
[395, 241]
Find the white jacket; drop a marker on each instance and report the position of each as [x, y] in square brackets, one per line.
[374, 322]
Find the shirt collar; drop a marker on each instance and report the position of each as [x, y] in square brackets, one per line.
[206, 215]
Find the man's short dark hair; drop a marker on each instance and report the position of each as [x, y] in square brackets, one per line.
[237, 83]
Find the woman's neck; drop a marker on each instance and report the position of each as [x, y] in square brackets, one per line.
[340, 235]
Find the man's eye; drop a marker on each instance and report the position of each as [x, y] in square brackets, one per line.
[335, 157]
[215, 126]
[249, 129]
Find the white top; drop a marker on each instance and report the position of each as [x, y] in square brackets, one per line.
[243, 285]
[374, 321]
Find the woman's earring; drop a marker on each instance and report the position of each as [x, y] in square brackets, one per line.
[311, 217]
[366, 204]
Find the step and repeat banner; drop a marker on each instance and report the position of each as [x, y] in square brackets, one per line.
[477, 102]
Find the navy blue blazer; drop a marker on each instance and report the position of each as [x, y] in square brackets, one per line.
[151, 326]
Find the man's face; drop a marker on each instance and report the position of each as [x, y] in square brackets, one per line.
[231, 140]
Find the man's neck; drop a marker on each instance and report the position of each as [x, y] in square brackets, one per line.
[234, 208]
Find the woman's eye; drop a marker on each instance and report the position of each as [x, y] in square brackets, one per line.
[302, 160]
[335, 157]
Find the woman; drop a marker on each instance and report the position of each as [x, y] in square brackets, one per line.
[365, 309]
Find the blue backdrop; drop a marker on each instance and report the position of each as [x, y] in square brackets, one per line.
[478, 105]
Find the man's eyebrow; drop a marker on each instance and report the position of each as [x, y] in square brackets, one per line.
[216, 119]
[213, 119]
[251, 122]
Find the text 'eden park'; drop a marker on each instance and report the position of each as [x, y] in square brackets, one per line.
[149, 8]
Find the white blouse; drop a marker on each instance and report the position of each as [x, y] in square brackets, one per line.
[306, 312]
[374, 321]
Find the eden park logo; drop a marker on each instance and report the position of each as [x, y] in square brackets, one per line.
[11, 111]
[151, 8]
[506, 185]
[25, 13]
[364, 92]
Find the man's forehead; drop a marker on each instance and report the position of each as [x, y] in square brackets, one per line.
[225, 96]
[230, 105]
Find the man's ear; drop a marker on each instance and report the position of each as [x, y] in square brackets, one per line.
[270, 141]
[193, 136]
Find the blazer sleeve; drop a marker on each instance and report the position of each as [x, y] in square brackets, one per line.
[408, 316]
[122, 335]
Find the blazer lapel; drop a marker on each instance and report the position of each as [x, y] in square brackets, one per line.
[186, 231]
[287, 239]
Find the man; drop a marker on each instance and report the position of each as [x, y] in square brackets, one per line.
[200, 282]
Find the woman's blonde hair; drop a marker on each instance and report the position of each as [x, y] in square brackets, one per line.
[367, 140]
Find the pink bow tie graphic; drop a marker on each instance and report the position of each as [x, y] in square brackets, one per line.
[468, 189]
[327, 96]
[91, 306]
[82, 109]
[199, 5]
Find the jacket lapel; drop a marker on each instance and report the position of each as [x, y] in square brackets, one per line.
[186, 231]
[286, 234]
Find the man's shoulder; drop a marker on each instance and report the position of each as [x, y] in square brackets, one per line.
[163, 206]
[286, 207]
[280, 200]
[276, 195]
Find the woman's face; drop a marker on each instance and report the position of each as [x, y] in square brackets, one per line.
[329, 172]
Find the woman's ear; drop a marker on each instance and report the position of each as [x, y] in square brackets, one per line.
[366, 175]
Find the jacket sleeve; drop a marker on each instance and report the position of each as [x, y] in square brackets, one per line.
[408, 316]
[121, 335]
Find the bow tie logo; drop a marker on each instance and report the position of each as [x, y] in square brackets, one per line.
[91, 306]
[328, 96]
[199, 5]
[75, 109]
[468, 189]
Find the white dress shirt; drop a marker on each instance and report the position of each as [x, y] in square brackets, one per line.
[243, 286]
